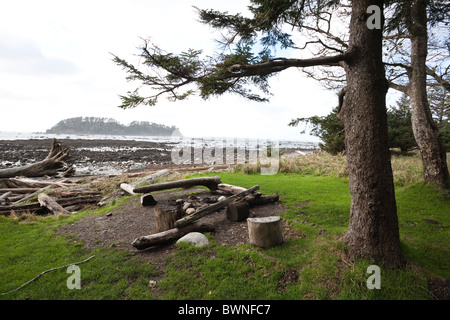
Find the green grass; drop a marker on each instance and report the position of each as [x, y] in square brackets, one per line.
[29, 248]
[312, 266]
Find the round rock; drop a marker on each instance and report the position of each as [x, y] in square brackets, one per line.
[195, 239]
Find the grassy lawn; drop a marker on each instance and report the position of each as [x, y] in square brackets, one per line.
[313, 266]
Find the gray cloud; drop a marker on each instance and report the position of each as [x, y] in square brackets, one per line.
[23, 56]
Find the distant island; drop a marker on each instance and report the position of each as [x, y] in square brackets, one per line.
[108, 126]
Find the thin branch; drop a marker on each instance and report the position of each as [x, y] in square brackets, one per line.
[438, 78]
[46, 271]
[399, 87]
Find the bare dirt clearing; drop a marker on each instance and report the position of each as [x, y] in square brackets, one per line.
[124, 224]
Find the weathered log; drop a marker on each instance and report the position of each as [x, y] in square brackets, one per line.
[238, 210]
[5, 195]
[50, 166]
[50, 204]
[230, 188]
[265, 232]
[66, 194]
[32, 207]
[31, 195]
[29, 183]
[154, 176]
[36, 208]
[127, 187]
[209, 182]
[165, 216]
[261, 200]
[18, 190]
[212, 208]
[79, 200]
[171, 235]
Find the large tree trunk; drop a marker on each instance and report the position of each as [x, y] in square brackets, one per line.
[373, 225]
[426, 133]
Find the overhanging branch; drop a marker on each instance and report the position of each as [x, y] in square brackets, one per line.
[280, 64]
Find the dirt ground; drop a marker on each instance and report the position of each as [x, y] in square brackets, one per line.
[131, 220]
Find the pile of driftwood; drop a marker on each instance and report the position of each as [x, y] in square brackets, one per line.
[43, 197]
[19, 194]
[173, 218]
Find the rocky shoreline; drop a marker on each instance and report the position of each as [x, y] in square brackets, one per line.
[101, 156]
[89, 156]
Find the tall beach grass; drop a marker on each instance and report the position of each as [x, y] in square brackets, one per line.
[407, 168]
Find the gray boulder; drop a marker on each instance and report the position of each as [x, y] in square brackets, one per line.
[195, 239]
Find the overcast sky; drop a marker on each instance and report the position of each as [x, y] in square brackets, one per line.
[55, 63]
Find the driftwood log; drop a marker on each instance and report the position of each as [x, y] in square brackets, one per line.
[50, 166]
[18, 190]
[31, 195]
[171, 235]
[5, 195]
[212, 208]
[51, 204]
[209, 182]
[127, 187]
[154, 176]
[261, 200]
[36, 208]
[25, 183]
[230, 188]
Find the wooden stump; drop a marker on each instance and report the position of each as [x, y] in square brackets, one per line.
[165, 216]
[238, 210]
[265, 232]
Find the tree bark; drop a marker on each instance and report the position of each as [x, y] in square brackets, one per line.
[373, 225]
[50, 166]
[426, 133]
